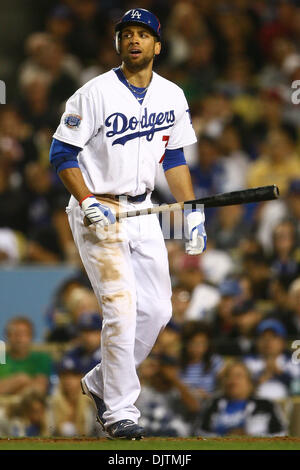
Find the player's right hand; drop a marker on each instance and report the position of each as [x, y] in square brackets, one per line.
[97, 213]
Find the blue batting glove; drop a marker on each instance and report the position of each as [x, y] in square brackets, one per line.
[97, 213]
[197, 235]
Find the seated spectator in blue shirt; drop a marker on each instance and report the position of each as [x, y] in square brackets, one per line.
[271, 367]
[200, 366]
[86, 355]
[237, 411]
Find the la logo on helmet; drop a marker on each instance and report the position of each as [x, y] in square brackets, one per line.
[136, 14]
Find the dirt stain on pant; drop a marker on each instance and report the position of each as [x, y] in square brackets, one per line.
[119, 304]
[109, 270]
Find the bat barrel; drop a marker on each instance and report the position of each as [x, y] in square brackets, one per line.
[245, 196]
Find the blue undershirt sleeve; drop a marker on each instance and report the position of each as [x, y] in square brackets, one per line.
[63, 155]
[173, 158]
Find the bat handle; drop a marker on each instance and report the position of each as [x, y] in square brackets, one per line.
[87, 222]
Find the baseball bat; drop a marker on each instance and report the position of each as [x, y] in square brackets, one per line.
[243, 196]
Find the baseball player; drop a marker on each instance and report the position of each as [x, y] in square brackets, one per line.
[115, 132]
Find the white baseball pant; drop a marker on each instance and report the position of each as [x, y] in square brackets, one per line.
[129, 273]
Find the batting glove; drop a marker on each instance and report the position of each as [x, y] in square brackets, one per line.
[97, 213]
[197, 235]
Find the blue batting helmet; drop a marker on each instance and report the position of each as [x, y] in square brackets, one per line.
[138, 16]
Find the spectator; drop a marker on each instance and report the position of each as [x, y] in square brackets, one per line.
[49, 232]
[222, 323]
[279, 26]
[279, 298]
[237, 411]
[207, 173]
[200, 365]
[184, 27]
[215, 113]
[204, 297]
[72, 299]
[236, 32]
[168, 405]
[246, 317]
[59, 23]
[216, 264]
[228, 227]
[180, 302]
[168, 342]
[28, 418]
[60, 327]
[17, 139]
[48, 57]
[271, 367]
[278, 165]
[86, 354]
[270, 117]
[274, 212]
[201, 66]
[24, 369]
[175, 256]
[285, 262]
[69, 410]
[259, 274]
[293, 205]
[90, 24]
[13, 198]
[291, 318]
[234, 161]
[106, 59]
[35, 103]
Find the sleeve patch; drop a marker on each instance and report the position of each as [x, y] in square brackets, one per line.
[72, 121]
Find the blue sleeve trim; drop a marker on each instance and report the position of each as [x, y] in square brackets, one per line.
[65, 165]
[173, 158]
[63, 155]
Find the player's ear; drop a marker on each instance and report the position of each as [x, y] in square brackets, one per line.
[157, 48]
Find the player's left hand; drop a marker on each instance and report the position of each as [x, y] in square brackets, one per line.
[197, 235]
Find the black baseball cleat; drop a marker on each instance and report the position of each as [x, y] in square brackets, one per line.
[98, 403]
[125, 429]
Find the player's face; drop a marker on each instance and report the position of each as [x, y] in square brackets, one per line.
[138, 47]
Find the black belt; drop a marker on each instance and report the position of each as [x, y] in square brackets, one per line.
[139, 198]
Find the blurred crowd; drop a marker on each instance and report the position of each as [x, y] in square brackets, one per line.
[227, 358]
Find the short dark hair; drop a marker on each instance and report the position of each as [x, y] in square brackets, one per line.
[24, 320]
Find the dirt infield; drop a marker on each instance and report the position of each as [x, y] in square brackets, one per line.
[199, 443]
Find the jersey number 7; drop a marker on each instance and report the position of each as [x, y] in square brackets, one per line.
[165, 138]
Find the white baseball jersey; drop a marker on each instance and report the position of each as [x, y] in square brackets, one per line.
[122, 140]
[122, 144]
